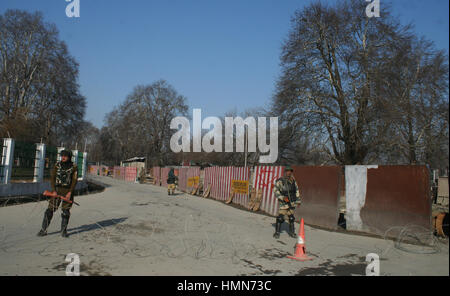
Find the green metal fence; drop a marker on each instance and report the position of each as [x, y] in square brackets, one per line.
[23, 164]
[23, 167]
[2, 159]
[80, 164]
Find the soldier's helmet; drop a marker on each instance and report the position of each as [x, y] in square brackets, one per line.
[67, 153]
[288, 168]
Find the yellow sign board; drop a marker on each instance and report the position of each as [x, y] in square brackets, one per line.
[193, 181]
[239, 186]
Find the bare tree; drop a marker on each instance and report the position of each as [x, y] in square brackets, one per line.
[140, 126]
[344, 79]
[39, 94]
[416, 101]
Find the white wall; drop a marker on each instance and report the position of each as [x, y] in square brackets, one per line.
[355, 194]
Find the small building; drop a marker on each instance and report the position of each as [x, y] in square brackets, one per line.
[137, 162]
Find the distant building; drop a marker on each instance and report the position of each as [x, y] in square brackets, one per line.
[137, 162]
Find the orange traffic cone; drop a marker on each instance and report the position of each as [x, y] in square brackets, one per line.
[300, 251]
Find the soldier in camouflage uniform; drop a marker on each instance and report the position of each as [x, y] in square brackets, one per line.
[288, 195]
[63, 180]
[172, 181]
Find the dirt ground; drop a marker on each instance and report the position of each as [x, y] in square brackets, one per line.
[136, 229]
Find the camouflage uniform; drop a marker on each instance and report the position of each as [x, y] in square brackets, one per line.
[286, 187]
[63, 180]
[64, 177]
[172, 181]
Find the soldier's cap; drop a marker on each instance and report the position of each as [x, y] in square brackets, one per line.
[289, 168]
[66, 153]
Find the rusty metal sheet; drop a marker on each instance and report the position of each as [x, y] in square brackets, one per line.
[182, 179]
[164, 175]
[264, 182]
[397, 197]
[320, 187]
[157, 175]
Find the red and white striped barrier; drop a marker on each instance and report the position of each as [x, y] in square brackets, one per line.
[192, 173]
[264, 179]
[220, 180]
[101, 170]
[130, 174]
[184, 174]
[182, 179]
[241, 174]
[93, 170]
[119, 173]
[164, 175]
[157, 175]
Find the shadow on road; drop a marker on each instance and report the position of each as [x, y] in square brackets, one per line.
[94, 226]
[284, 227]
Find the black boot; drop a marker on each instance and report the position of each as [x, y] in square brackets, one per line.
[292, 227]
[64, 222]
[279, 221]
[47, 218]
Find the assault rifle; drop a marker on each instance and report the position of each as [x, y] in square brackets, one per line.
[51, 194]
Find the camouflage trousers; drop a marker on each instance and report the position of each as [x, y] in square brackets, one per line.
[54, 202]
[171, 188]
[286, 213]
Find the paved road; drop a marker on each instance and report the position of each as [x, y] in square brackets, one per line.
[136, 229]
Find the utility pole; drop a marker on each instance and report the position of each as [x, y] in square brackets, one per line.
[245, 145]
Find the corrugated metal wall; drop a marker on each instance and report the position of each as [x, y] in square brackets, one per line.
[320, 189]
[157, 175]
[220, 180]
[264, 180]
[397, 196]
